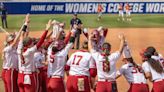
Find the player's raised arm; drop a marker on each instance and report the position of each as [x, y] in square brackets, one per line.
[122, 42]
[90, 46]
[54, 22]
[48, 25]
[23, 28]
[103, 31]
[67, 38]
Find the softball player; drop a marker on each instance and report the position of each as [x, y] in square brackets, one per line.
[99, 11]
[39, 59]
[121, 12]
[128, 11]
[154, 71]
[57, 54]
[10, 65]
[27, 69]
[106, 65]
[81, 66]
[133, 73]
[155, 55]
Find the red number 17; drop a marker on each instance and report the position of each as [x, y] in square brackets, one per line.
[77, 59]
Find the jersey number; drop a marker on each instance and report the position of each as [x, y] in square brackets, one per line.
[52, 58]
[106, 66]
[77, 59]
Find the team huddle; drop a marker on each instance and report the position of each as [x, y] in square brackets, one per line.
[42, 64]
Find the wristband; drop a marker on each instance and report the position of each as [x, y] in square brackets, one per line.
[72, 39]
[24, 28]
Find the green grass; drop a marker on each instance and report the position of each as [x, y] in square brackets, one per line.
[89, 20]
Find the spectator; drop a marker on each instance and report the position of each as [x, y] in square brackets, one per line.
[3, 15]
[75, 21]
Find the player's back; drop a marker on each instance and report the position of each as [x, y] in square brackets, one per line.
[155, 75]
[132, 74]
[80, 63]
[137, 74]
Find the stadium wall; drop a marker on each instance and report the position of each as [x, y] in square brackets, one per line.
[69, 7]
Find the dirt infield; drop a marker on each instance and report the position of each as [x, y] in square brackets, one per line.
[138, 38]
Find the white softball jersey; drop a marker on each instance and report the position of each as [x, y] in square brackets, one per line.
[39, 58]
[100, 59]
[155, 76]
[57, 61]
[159, 58]
[80, 62]
[28, 55]
[11, 58]
[132, 74]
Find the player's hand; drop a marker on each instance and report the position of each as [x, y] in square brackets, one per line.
[54, 22]
[27, 18]
[121, 37]
[48, 25]
[100, 28]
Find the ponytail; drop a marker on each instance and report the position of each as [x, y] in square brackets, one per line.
[155, 65]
